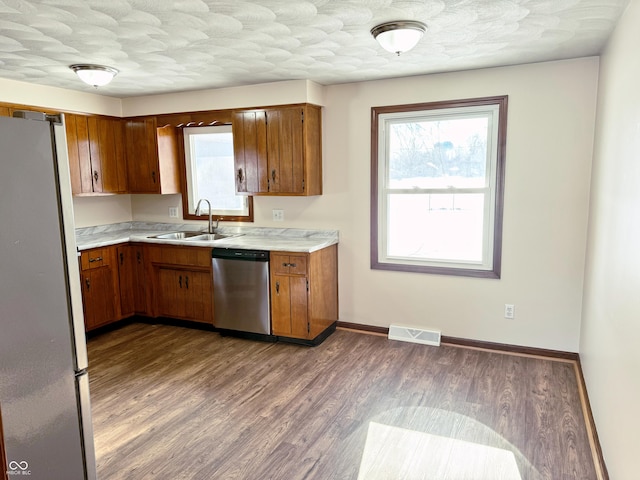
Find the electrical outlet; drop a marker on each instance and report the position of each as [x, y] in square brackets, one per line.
[173, 212]
[509, 310]
[278, 215]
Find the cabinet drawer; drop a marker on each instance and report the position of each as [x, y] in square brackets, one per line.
[289, 264]
[94, 258]
[181, 256]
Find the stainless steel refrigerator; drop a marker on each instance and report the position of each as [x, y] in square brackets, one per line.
[44, 386]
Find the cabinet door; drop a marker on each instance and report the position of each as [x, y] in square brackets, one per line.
[280, 305]
[166, 159]
[197, 296]
[140, 280]
[77, 130]
[250, 151]
[108, 161]
[289, 306]
[120, 152]
[126, 276]
[152, 157]
[285, 150]
[141, 154]
[184, 294]
[169, 295]
[98, 297]
[299, 318]
[97, 135]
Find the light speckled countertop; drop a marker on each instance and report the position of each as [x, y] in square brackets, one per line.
[250, 238]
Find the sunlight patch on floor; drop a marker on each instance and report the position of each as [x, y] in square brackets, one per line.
[398, 453]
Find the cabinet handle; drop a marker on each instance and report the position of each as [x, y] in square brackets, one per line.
[278, 288]
[96, 259]
[121, 258]
[153, 176]
[180, 281]
[289, 265]
[273, 175]
[186, 281]
[88, 282]
[138, 257]
[240, 175]
[95, 175]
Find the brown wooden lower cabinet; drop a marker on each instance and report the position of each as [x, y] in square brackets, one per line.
[176, 282]
[181, 282]
[304, 293]
[100, 287]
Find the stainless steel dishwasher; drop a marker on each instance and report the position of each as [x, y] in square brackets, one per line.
[241, 292]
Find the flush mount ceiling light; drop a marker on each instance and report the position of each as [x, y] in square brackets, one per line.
[400, 36]
[95, 75]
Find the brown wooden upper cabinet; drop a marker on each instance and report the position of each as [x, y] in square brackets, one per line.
[278, 151]
[152, 156]
[97, 159]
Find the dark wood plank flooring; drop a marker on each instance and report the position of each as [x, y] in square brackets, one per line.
[177, 403]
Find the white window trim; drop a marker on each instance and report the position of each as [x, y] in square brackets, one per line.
[192, 194]
[383, 117]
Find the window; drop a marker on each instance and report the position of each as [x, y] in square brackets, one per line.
[210, 174]
[437, 187]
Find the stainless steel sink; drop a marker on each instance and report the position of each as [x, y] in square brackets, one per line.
[209, 237]
[178, 235]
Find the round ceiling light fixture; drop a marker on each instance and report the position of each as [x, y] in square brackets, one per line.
[94, 75]
[399, 36]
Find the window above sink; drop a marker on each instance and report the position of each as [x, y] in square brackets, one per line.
[210, 174]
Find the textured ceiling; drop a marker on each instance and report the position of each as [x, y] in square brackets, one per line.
[164, 46]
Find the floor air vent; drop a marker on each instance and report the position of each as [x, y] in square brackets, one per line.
[414, 335]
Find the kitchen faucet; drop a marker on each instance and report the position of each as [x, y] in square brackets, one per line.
[211, 230]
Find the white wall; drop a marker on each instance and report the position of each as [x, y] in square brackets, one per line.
[276, 93]
[609, 347]
[12, 91]
[90, 211]
[550, 138]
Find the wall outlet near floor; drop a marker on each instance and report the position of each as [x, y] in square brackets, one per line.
[173, 212]
[278, 215]
[509, 310]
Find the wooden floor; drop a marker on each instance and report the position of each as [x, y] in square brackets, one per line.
[177, 403]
